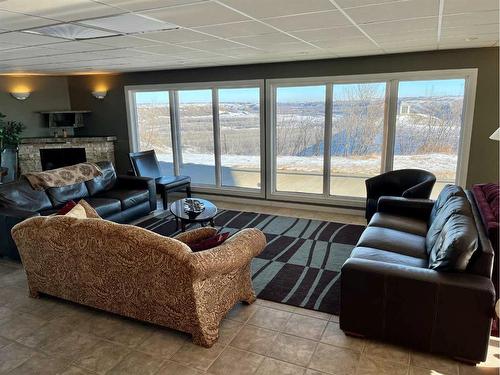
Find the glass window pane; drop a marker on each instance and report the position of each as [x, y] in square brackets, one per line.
[428, 127]
[196, 136]
[239, 118]
[153, 127]
[357, 136]
[300, 127]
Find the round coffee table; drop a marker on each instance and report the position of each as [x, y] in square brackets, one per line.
[204, 217]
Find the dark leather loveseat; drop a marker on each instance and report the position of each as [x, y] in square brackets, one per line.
[420, 276]
[116, 198]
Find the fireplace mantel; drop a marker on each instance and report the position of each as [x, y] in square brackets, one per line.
[96, 149]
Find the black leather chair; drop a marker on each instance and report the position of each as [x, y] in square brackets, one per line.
[145, 164]
[406, 183]
[3, 173]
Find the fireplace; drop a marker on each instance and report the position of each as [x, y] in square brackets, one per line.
[52, 158]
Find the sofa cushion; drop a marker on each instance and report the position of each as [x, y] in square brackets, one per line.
[22, 196]
[128, 198]
[455, 245]
[104, 182]
[454, 205]
[60, 195]
[388, 257]
[447, 192]
[402, 223]
[394, 240]
[104, 206]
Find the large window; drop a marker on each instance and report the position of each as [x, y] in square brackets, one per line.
[320, 138]
[211, 132]
[300, 128]
[428, 127]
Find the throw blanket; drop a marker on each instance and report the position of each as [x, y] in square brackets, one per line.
[63, 176]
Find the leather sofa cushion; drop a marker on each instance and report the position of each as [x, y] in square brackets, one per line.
[454, 205]
[447, 192]
[128, 198]
[21, 195]
[61, 195]
[455, 245]
[401, 223]
[388, 257]
[105, 182]
[394, 240]
[105, 206]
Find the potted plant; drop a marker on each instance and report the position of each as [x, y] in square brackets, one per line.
[10, 136]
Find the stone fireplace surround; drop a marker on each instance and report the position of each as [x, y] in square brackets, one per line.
[96, 149]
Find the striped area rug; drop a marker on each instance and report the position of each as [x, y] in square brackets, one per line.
[300, 265]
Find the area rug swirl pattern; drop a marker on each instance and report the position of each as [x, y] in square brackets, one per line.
[300, 265]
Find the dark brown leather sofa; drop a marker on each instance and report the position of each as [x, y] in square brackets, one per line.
[420, 276]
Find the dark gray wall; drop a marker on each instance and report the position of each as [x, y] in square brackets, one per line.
[109, 115]
[47, 93]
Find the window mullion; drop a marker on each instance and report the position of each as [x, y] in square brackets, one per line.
[175, 133]
[216, 130]
[390, 125]
[327, 141]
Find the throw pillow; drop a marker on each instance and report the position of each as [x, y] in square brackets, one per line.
[67, 208]
[210, 242]
[455, 245]
[77, 212]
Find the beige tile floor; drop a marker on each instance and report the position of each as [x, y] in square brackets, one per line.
[51, 336]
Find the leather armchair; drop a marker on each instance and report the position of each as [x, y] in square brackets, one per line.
[406, 183]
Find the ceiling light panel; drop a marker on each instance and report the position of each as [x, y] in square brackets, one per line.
[129, 24]
[275, 8]
[71, 31]
[137, 5]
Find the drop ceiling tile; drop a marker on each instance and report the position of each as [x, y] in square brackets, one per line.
[473, 44]
[401, 26]
[15, 21]
[164, 49]
[469, 19]
[27, 39]
[212, 45]
[63, 10]
[77, 46]
[4, 45]
[429, 35]
[237, 29]
[176, 36]
[138, 5]
[394, 11]
[200, 14]
[359, 3]
[409, 45]
[469, 31]
[309, 21]
[21, 53]
[121, 41]
[347, 52]
[265, 40]
[328, 34]
[462, 6]
[404, 48]
[353, 43]
[274, 8]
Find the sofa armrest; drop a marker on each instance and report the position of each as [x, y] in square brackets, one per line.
[426, 309]
[411, 207]
[233, 254]
[195, 235]
[136, 182]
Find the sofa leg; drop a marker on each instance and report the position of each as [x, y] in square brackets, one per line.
[33, 293]
[205, 340]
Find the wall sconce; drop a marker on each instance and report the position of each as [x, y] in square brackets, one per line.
[21, 95]
[99, 94]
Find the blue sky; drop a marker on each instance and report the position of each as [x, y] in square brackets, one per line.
[449, 87]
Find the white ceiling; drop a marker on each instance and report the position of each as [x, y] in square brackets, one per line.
[229, 32]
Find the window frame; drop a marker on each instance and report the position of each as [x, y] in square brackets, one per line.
[390, 115]
[172, 89]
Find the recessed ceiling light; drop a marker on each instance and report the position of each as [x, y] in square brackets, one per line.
[71, 31]
[129, 23]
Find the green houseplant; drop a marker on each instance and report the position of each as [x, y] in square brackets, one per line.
[10, 136]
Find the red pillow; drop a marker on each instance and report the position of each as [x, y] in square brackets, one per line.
[67, 208]
[209, 242]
